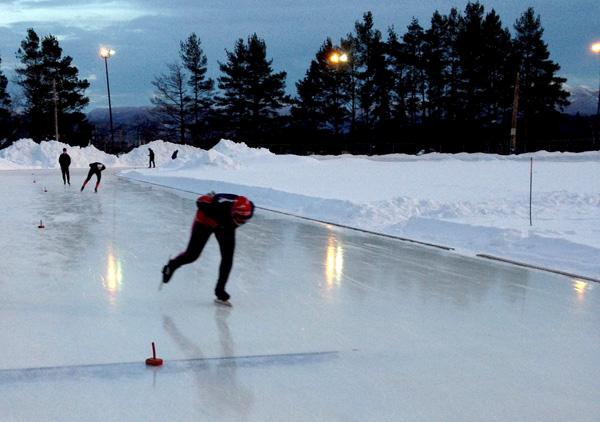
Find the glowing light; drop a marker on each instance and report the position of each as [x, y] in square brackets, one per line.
[334, 262]
[580, 287]
[343, 58]
[106, 52]
[114, 276]
[595, 47]
[334, 58]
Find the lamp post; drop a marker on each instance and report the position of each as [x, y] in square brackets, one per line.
[106, 53]
[595, 48]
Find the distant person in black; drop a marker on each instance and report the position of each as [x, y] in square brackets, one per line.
[95, 168]
[174, 156]
[151, 158]
[221, 214]
[65, 161]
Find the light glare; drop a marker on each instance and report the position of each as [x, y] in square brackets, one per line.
[106, 52]
[595, 47]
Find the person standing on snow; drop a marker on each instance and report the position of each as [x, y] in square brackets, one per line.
[221, 214]
[151, 158]
[95, 168]
[65, 161]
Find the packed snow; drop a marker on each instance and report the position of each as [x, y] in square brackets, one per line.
[474, 203]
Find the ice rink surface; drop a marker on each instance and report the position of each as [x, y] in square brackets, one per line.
[328, 324]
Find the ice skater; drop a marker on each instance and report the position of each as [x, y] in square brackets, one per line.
[95, 168]
[65, 161]
[221, 214]
[151, 158]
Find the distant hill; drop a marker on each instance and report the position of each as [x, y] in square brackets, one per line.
[121, 115]
[584, 100]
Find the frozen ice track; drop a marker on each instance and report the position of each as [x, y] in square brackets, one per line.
[422, 334]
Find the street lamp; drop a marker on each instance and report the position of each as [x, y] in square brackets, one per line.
[595, 48]
[338, 57]
[106, 53]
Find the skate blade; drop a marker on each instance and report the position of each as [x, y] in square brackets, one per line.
[160, 286]
[223, 303]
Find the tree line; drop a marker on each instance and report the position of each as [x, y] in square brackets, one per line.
[449, 87]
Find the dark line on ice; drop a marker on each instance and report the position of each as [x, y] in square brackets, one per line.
[138, 369]
[537, 267]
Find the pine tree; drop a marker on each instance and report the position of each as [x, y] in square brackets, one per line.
[371, 72]
[323, 95]
[470, 50]
[541, 91]
[195, 62]
[171, 101]
[35, 92]
[415, 74]
[252, 93]
[5, 106]
[51, 81]
[500, 69]
[398, 68]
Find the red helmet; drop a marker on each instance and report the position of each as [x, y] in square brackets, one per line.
[242, 210]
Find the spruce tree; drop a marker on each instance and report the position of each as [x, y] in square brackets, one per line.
[195, 62]
[541, 90]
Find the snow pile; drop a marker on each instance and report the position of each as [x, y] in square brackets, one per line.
[28, 154]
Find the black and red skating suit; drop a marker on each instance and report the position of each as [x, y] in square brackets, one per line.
[220, 214]
[95, 168]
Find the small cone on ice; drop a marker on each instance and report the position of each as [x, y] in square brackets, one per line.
[41, 226]
[154, 361]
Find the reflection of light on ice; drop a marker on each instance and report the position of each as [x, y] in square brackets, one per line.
[114, 276]
[580, 287]
[334, 261]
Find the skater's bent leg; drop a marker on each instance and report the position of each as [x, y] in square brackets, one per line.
[199, 237]
[87, 179]
[226, 238]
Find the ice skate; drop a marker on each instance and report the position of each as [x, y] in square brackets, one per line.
[167, 273]
[224, 302]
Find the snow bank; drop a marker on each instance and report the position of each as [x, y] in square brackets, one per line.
[27, 154]
[475, 203]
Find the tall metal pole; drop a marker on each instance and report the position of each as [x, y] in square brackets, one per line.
[112, 138]
[598, 109]
[515, 111]
[56, 136]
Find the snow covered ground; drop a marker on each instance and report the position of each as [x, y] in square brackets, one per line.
[474, 203]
